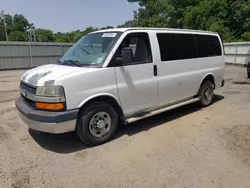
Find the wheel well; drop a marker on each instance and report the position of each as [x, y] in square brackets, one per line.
[209, 77]
[110, 100]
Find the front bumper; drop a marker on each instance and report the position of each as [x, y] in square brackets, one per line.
[45, 121]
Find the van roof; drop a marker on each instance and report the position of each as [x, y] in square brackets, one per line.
[151, 28]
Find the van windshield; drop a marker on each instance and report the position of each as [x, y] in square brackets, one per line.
[91, 50]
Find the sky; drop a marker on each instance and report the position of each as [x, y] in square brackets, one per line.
[69, 15]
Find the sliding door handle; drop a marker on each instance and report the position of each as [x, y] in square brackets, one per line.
[155, 70]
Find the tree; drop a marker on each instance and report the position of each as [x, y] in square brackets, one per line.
[230, 18]
[73, 36]
[246, 36]
[8, 22]
[88, 30]
[129, 23]
[161, 13]
[44, 35]
[2, 33]
[17, 27]
[18, 36]
[61, 37]
[238, 16]
[20, 23]
[209, 15]
[77, 36]
[107, 27]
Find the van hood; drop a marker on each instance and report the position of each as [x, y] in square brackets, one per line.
[39, 75]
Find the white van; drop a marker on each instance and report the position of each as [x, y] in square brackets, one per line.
[121, 75]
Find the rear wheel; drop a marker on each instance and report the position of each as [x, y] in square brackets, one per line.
[248, 75]
[206, 93]
[97, 123]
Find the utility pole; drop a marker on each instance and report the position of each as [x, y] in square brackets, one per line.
[32, 35]
[32, 38]
[4, 24]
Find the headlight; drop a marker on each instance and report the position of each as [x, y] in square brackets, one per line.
[50, 91]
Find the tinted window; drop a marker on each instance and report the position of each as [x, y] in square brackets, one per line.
[208, 45]
[177, 46]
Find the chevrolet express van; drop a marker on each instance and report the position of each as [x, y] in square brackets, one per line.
[121, 76]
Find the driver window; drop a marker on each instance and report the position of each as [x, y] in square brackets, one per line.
[140, 45]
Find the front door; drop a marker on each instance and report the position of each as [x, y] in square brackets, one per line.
[137, 81]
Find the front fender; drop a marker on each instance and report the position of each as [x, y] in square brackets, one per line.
[96, 96]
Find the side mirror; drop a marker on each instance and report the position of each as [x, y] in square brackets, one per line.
[126, 56]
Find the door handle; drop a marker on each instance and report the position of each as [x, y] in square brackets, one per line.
[155, 70]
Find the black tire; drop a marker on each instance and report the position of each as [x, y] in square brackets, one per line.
[84, 120]
[248, 75]
[206, 93]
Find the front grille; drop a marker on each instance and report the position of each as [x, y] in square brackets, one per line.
[28, 88]
[30, 103]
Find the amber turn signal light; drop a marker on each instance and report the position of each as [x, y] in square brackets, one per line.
[49, 106]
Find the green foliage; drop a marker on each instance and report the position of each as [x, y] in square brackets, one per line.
[246, 36]
[44, 35]
[2, 34]
[74, 35]
[18, 27]
[230, 18]
[108, 27]
[18, 36]
[127, 24]
[20, 23]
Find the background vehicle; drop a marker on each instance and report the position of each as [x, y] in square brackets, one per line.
[121, 75]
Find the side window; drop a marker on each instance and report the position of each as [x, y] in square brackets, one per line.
[208, 46]
[167, 46]
[140, 45]
[176, 46]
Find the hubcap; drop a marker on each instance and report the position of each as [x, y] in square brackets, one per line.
[208, 94]
[100, 124]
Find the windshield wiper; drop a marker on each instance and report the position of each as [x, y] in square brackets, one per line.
[84, 51]
[76, 63]
[72, 62]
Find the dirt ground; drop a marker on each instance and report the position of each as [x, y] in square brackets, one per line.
[187, 147]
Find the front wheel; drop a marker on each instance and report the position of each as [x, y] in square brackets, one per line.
[206, 93]
[97, 123]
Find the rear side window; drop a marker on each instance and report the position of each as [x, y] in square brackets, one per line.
[208, 46]
[176, 46]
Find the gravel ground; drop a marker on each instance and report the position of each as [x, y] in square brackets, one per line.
[182, 148]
